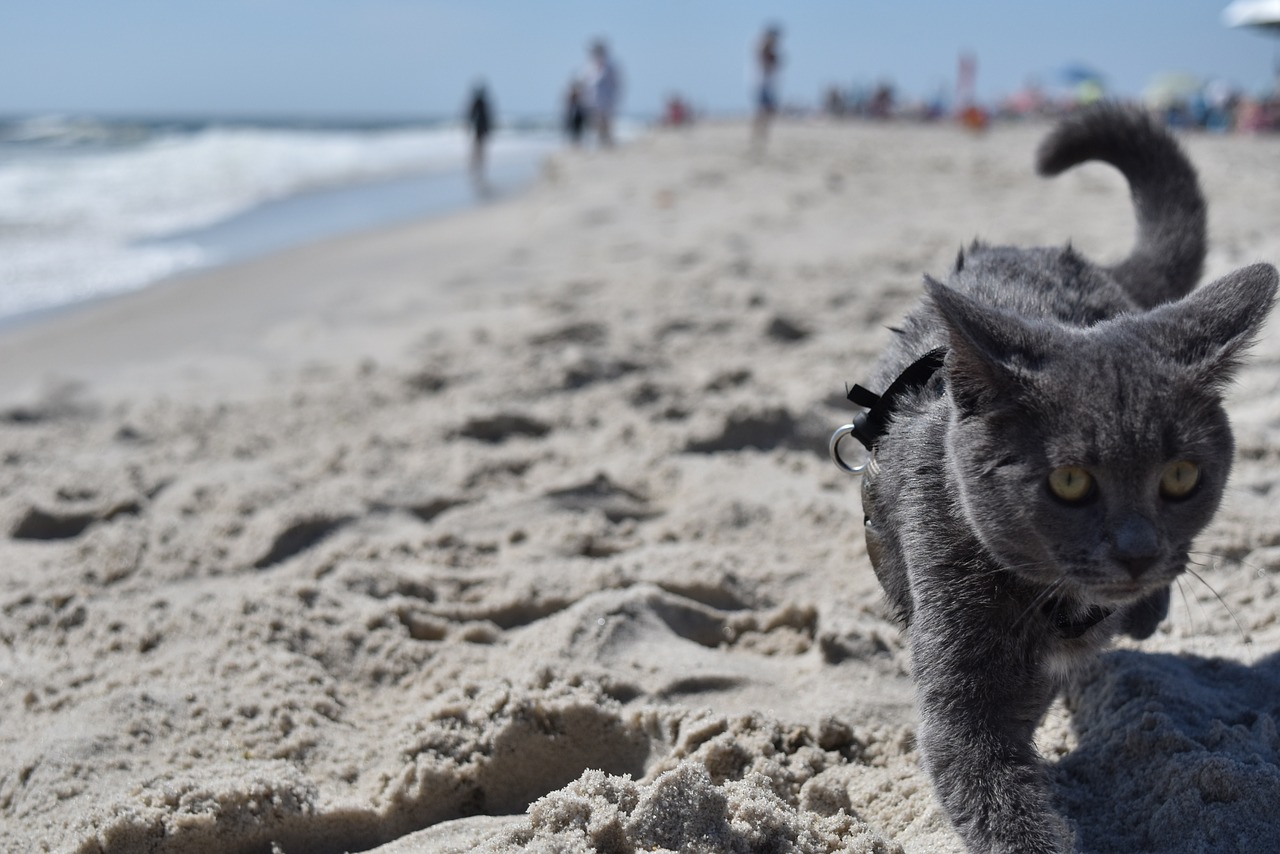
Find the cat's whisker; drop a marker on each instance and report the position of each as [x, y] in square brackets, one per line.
[1217, 561]
[1253, 567]
[1204, 615]
[1001, 569]
[1186, 604]
[1212, 564]
[1005, 568]
[1039, 599]
[1205, 566]
[1244, 635]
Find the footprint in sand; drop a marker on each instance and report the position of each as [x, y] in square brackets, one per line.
[298, 536]
[786, 330]
[39, 524]
[764, 430]
[498, 428]
[600, 493]
[66, 523]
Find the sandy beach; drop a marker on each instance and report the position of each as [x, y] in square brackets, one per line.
[515, 531]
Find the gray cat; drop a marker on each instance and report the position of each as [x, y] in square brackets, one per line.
[1051, 440]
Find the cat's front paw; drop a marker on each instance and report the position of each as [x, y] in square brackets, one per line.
[998, 799]
[1142, 617]
[1046, 834]
[1053, 837]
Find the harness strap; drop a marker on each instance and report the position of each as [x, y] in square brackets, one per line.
[1073, 628]
[869, 426]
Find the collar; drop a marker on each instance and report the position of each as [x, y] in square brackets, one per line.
[869, 426]
[1071, 628]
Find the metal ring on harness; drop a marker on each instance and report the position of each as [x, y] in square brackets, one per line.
[834, 448]
[869, 426]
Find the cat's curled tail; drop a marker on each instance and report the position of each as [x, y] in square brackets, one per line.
[1167, 261]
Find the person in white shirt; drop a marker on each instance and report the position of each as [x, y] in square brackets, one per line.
[604, 91]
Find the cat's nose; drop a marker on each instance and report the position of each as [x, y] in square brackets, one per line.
[1136, 545]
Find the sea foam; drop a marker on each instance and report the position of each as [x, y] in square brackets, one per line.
[83, 203]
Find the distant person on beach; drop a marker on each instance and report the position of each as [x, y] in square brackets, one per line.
[480, 119]
[972, 116]
[676, 113]
[768, 60]
[881, 104]
[575, 113]
[833, 103]
[604, 90]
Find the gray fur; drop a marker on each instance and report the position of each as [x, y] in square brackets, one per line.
[1051, 361]
[1169, 257]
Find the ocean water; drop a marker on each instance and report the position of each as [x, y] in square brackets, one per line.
[92, 207]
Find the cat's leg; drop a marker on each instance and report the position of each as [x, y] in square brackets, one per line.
[979, 704]
[1141, 618]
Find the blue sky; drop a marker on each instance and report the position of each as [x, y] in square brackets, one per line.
[418, 57]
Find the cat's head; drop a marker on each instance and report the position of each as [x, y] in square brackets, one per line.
[1088, 458]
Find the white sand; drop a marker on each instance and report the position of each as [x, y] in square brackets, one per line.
[514, 531]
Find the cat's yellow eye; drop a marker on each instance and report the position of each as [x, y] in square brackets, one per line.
[1179, 478]
[1071, 483]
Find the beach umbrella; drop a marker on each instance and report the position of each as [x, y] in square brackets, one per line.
[1260, 14]
[1171, 87]
[1087, 84]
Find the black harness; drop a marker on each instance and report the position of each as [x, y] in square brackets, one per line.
[868, 426]
[1071, 628]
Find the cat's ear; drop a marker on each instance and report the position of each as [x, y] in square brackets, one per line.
[991, 350]
[1208, 330]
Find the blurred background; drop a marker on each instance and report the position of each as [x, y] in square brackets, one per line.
[141, 138]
